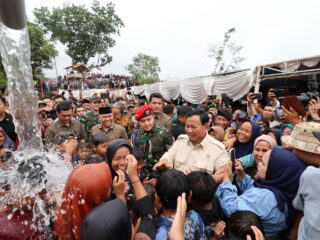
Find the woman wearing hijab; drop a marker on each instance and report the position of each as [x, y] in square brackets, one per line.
[87, 187]
[217, 132]
[262, 144]
[111, 220]
[117, 152]
[286, 130]
[270, 195]
[246, 135]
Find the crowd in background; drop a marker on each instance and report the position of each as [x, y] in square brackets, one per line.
[157, 169]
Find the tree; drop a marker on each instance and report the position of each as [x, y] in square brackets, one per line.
[85, 33]
[42, 53]
[226, 54]
[144, 69]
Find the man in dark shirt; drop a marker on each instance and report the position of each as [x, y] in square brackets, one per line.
[178, 125]
[6, 120]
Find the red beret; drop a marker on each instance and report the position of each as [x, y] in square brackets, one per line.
[143, 111]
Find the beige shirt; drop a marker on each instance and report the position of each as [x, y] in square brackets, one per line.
[115, 132]
[207, 156]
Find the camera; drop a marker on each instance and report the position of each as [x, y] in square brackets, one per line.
[257, 96]
[226, 101]
[313, 90]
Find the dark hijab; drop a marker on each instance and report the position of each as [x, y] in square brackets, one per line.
[243, 149]
[282, 178]
[114, 146]
[110, 221]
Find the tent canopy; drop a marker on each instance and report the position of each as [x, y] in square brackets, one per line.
[235, 84]
[195, 90]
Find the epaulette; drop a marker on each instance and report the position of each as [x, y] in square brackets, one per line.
[182, 136]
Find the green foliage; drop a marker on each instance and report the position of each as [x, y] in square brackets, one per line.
[226, 55]
[42, 53]
[3, 79]
[145, 69]
[85, 33]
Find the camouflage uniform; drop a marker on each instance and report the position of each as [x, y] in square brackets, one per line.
[163, 120]
[154, 144]
[89, 120]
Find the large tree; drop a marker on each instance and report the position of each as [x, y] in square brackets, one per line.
[226, 55]
[85, 33]
[42, 54]
[144, 69]
[42, 51]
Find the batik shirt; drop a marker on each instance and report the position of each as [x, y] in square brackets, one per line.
[194, 228]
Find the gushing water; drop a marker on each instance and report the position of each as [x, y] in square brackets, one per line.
[23, 102]
[35, 179]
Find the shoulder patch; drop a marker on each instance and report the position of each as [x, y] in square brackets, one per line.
[182, 136]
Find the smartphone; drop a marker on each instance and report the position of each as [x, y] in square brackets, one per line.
[257, 96]
[232, 153]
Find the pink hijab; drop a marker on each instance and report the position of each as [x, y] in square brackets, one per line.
[218, 133]
[267, 139]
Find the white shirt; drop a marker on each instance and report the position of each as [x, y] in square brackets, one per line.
[209, 155]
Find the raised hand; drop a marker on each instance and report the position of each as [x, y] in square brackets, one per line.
[119, 185]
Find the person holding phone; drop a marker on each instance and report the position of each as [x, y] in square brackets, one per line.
[268, 111]
[270, 195]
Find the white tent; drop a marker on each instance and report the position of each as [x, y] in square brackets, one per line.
[236, 84]
[194, 90]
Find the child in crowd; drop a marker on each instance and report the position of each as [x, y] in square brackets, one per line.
[204, 202]
[139, 155]
[171, 184]
[83, 151]
[100, 143]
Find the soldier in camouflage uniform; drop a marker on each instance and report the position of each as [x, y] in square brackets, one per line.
[154, 141]
[91, 118]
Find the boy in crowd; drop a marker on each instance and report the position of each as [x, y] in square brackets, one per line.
[83, 151]
[170, 185]
[139, 155]
[100, 143]
[204, 202]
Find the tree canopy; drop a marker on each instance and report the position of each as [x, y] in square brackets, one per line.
[42, 54]
[226, 55]
[144, 69]
[42, 51]
[86, 34]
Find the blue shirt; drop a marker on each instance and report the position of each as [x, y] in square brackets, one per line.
[261, 201]
[194, 228]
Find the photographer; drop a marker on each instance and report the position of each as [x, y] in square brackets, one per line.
[267, 112]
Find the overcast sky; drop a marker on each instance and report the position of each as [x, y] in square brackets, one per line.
[179, 32]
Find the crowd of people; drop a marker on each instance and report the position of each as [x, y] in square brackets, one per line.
[153, 169]
[93, 80]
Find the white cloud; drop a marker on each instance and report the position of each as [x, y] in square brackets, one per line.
[179, 32]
